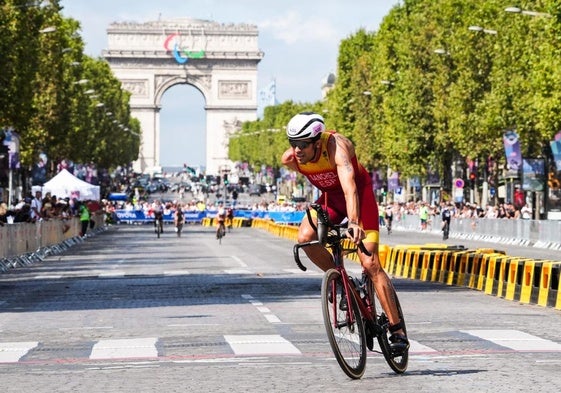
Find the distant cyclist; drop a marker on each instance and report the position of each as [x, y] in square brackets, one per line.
[178, 219]
[158, 211]
[389, 217]
[220, 220]
[446, 215]
[328, 160]
[229, 218]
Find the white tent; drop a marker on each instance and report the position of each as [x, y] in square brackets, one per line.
[66, 185]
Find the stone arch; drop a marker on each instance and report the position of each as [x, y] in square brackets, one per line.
[218, 60]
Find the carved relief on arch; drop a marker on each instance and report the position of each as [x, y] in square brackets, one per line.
[138, 87]
[234, 89]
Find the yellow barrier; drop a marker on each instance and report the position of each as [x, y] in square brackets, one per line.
[484, 269]
[527, 286]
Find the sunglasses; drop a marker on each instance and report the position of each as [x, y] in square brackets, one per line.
[300, 144]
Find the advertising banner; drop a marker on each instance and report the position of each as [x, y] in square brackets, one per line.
[512, 150]
[533, 174]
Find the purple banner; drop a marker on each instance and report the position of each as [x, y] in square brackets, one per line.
[512, 150]
[556, 150]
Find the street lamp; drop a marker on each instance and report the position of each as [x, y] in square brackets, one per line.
[482, 30]
[49, 29]
[516, 10]
[441, 51]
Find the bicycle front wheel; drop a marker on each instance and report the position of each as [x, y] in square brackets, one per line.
[344, 326]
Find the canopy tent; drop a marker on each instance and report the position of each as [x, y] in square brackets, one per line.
[66, 185]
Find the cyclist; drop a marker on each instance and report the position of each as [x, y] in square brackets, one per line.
[178, 219]
[328, 160]
[229, 218]
[389, 217]
[158, 211]
[220, 219]
[446, 216]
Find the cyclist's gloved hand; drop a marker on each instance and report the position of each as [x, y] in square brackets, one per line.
[355, 233]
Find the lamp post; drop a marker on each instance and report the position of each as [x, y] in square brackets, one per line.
[482, 30]
[485, 181]
[516, 10]
[49, 29]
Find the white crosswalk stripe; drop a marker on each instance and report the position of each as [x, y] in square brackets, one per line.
[125, 348]
[261, 345]
[11, 352]
[515, 339]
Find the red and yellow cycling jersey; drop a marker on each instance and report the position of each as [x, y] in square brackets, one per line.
[323, 174]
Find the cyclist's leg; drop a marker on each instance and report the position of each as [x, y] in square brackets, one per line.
[317, 253]
[386, 293]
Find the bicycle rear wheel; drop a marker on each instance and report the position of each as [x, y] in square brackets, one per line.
[346, 336]
[397, 363]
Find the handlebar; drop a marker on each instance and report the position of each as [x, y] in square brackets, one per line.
[324, 237]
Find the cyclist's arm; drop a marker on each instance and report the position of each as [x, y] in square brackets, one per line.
[289, 160]
[343, 155]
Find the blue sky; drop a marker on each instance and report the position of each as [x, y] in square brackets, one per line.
[300, 39]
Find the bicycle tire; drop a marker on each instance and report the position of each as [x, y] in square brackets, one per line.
[348, 341]
[397, 363]
[220, 234]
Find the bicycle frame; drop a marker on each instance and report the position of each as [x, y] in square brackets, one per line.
[364, 305]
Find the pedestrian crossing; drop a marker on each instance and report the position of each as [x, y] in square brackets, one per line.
[259, 345]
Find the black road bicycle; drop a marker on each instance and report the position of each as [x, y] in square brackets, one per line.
[159, 226]
[352, 313]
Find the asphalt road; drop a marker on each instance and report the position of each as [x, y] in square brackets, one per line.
[127, 312]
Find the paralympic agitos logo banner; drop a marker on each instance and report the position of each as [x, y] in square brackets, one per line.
[181, 54]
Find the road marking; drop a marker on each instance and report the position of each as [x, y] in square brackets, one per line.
[237, 271]
[125, 348]
[515, 339]
[272, 318]
[176, 273]
[416, 347]
[261, 345]
[47, 277]
[298, 271]
[11, 352]
[240, 262]
[112, 274]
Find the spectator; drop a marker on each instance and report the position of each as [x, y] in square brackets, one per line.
[84, 215]
[36, 206]
[3, 214]
[526, 212]
[423, 215]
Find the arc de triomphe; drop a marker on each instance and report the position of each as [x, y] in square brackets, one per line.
[220, 60]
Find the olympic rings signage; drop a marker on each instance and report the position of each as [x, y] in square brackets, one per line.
[181, 55]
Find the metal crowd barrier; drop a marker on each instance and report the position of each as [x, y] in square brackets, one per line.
[536, 233]
[22, 244]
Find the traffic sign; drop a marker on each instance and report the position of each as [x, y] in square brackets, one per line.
[459, 183]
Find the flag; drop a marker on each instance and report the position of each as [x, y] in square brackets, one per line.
[512, 150]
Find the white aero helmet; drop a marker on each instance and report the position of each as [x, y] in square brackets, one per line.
[305, 125]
